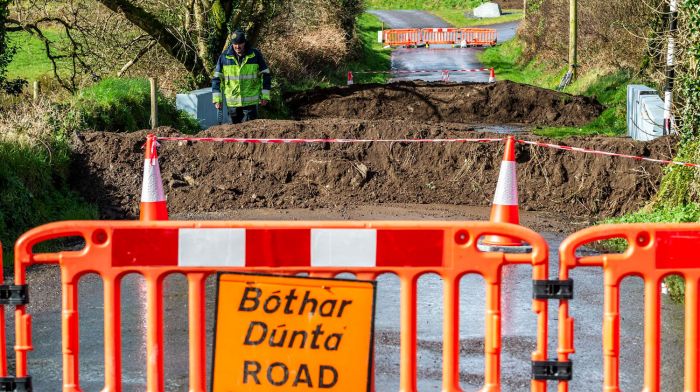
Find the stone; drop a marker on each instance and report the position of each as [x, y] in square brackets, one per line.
[487, 10]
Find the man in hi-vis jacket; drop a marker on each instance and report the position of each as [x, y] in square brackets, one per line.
[241, 79]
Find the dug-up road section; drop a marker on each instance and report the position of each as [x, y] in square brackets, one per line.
[560, 192]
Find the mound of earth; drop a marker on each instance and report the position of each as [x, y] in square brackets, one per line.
[467, 103]
[205, 177]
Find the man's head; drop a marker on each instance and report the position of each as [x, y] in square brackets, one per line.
[238, 42]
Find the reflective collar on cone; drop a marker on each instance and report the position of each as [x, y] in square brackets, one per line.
[507, 188]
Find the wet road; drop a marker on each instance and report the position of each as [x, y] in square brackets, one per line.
[438, 57]
[518, 324]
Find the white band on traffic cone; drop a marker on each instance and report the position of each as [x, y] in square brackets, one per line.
[507, 187]
[152, 190]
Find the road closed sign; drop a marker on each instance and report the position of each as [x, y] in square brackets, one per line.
[286, 333]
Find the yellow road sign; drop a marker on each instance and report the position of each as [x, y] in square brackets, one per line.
[292, 333]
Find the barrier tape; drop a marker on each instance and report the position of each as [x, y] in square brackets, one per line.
[301, 141]
[423, 71]
[479, 140]
[611, 154]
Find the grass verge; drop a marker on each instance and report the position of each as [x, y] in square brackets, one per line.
[124, 105]
[422, 5]
[30, 62]
[609, 88]
[457, 18]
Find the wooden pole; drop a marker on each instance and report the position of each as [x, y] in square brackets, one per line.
[154, 103]
[573, 37]
[35, 91]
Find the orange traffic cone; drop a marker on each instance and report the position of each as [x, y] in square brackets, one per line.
[505, 202]
[350, 82]
[492, 76]
[153, 205]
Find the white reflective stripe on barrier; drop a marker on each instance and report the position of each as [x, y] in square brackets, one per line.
[152, 190]
[219, 247]
[346, 247]
[507, 188]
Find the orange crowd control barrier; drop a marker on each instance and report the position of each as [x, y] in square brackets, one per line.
[434, 36]
[323, 249]
[654, 252]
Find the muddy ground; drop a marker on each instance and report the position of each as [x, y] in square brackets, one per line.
[486, 103]
[207, 177]
[204, 177]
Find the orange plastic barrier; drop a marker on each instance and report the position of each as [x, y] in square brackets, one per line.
[655, 251]
[437, 36]
[479, 37]
[199, 249]
[434, 36]
[402, 37]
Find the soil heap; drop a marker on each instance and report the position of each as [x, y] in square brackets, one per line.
[484, 103]
[208, 177]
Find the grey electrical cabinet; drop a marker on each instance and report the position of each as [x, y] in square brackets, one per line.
[645, 113]
[198, 104]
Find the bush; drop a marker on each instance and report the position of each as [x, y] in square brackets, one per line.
[34, 173]
[124, 105]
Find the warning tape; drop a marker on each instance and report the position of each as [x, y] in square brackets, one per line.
[478, 140]
[611, 154]
[424, 71]
[301, 141]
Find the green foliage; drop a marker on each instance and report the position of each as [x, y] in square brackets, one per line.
[34, 183]
[457, 18]
[371, 56]
[6, 51]
[680, 185]
[423, 5]
[608, 89]
[123, 105]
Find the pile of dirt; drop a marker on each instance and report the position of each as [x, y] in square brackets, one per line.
[207, 177]
[492, 103]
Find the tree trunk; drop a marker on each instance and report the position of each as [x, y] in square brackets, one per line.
[182, 51]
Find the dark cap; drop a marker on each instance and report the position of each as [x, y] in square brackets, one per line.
[238, 37]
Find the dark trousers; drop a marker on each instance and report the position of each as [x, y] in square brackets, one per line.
[243, 113]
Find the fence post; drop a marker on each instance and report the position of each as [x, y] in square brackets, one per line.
[35, 91]
[154, 103]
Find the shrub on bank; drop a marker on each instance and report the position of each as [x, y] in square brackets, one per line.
[124, 105]
[34, 173]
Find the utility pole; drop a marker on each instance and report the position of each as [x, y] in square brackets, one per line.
[670, 68]
[573, 37]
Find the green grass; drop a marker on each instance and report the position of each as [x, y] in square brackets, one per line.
[124, 105]
[457, 18]
[608, 88]
[30, 62]
[423, 5]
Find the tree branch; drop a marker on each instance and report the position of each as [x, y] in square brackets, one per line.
[160, 33]
[136, 58]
